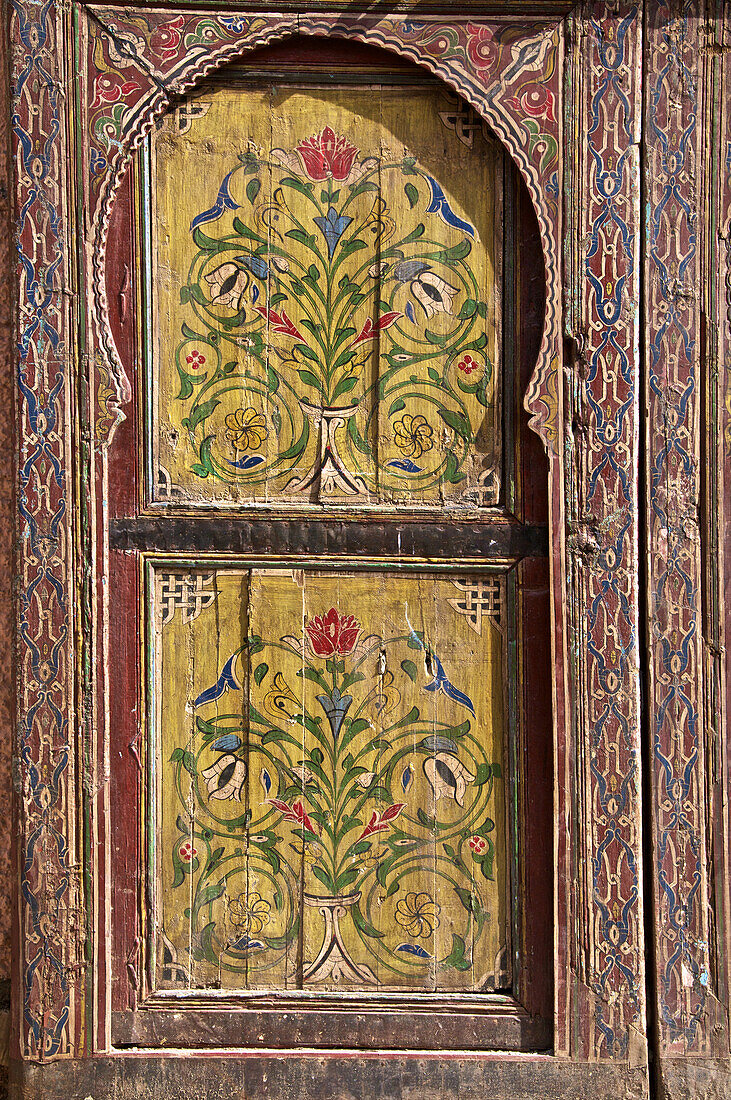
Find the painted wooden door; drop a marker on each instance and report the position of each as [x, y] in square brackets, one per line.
[326, 337]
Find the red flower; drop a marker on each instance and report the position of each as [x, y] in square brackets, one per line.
[368, 332]
[380, 822]
[537, 101]
[467, 365]
[478, 844]
[327, 154]
[330, 633]
[295, 813]
[481, 47]
[195, 359]
[187, 852]
[165, 39]
[280, 322]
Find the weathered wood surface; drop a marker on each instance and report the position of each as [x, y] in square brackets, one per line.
[591, 427]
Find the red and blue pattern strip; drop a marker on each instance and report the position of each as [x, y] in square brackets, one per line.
[48, 902]
[673, 394]
[605, 566]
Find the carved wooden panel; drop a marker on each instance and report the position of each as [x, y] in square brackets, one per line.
[325, 274]
[329, 781]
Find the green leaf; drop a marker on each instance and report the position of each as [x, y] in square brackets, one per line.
[416, 645]
[308, 353]
[321, 874]
[184, 295]
[351, 678]
[244, 231]
[214, 859]
[451, 470]
[482, 774]
[363, 925]
[457, 957]
[345, 385]
[428, 822]
[407, 166]
[310, 379]
[456, 252]
[313, 272]
[346, 878]
[272, 380]
[361, 847]
[210, 893]
[317, 755]
[412, 194]
[301, 237]
[434, 374]
[357, 439]
[393, 888]
[297, 185]
[434, 338]
[260, 672]
[469, 308]
[252, 190]
[206, 949]
[199, 413]
[358, 726]
[497, 771]
[397, 406]
[415, 234]
[410, 669]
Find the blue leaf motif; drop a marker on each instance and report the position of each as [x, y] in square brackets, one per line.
[414, 949]
[438, 744]
[266, 780]
[223, 202]
[229, 743]
[255, 264]
[248, 462]
[405, 464]
[440, 682]
[332, 227]
[245, 944]
[406, 778]
[440, 205]
[410, 313]
[226, 680]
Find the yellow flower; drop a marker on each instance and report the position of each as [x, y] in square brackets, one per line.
[418, 914]
[413, 436]
[249, 913]
[246, 429]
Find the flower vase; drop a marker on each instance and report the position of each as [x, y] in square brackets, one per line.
[333, 962]
[329, 472]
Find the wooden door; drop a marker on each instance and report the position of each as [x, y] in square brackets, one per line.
[336, 566]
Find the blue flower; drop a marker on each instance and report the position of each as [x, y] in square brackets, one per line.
[336, 706]
[332, 227]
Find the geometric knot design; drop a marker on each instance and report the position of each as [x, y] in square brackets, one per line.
[478, 599]
[187, 591]
[463, 121]
[181, 118]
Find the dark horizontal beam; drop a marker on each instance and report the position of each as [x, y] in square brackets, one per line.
[403, 539]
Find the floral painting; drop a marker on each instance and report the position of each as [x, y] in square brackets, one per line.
[331, 787]
[327, 293]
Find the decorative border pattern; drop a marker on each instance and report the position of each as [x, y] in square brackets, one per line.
[673, 395]
[50, 908]
[601, 499]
